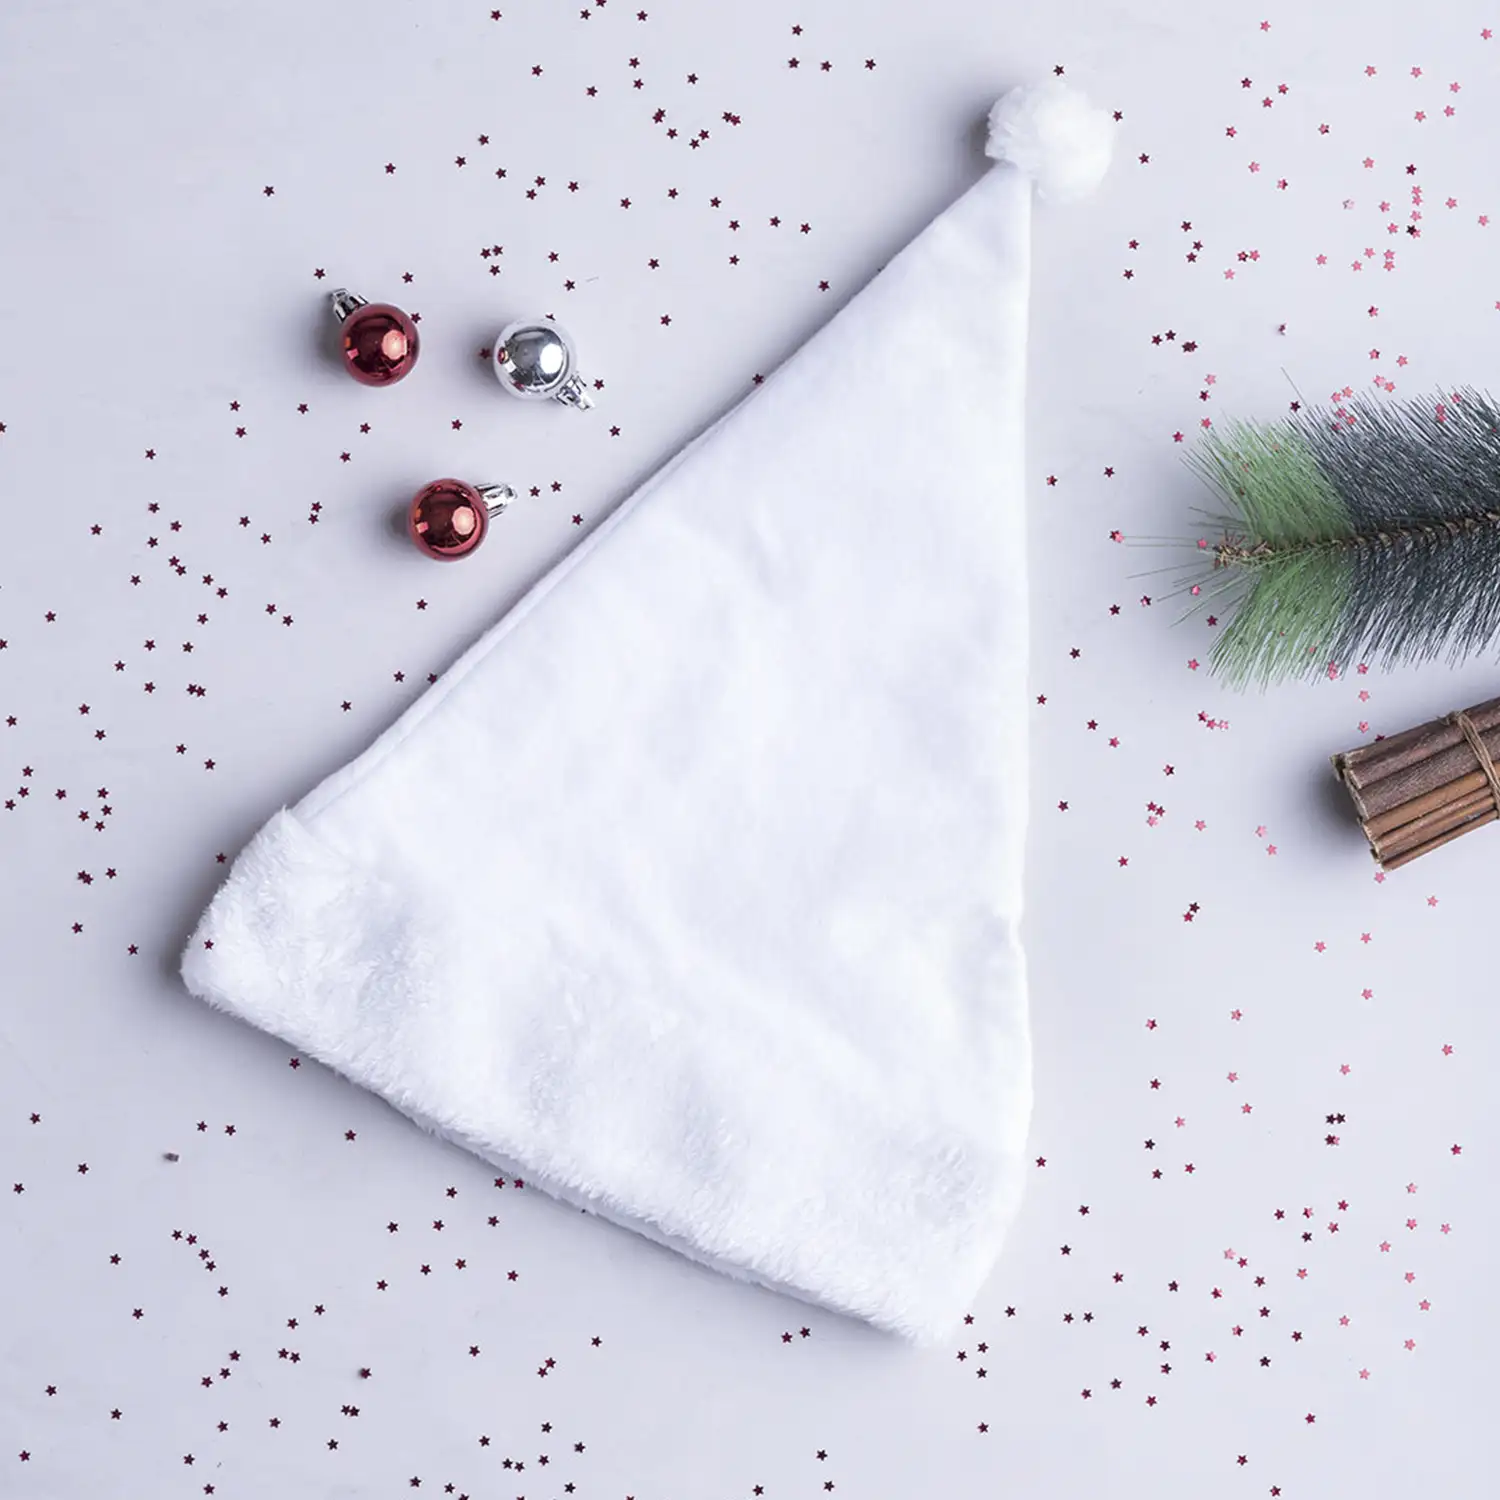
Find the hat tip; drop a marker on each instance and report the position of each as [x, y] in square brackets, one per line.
[1055, 136]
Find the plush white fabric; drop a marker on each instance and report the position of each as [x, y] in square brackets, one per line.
[694, 887]
[1060, 140]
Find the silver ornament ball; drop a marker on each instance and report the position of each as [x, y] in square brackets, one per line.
[537, 360]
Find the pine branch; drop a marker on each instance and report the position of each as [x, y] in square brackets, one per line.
[1359, 532]
[1228, 553]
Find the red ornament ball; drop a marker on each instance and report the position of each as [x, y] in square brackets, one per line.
[448, 519]
[380, 344]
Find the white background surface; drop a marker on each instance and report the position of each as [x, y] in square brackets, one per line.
[149, 282]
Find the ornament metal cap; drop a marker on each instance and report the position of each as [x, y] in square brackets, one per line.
[380, 342]
[448, 518]
[536, 360]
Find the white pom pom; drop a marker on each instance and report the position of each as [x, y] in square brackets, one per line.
[1053, 134]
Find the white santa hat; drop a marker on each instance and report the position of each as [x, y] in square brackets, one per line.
[693, 890]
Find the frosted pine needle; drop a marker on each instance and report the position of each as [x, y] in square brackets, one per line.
[1361, 531]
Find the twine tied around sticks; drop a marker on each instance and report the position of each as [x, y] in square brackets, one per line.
[1465, 725]
[1426, 786]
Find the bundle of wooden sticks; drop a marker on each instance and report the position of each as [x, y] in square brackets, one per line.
[1419, 789]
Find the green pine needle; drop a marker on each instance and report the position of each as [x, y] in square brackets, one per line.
[1366, 531]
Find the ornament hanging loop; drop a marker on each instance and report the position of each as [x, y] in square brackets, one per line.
[573, 392]
[343, 302]
[496, 497]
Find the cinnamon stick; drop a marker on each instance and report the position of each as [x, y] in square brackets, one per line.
[1396, 861]
[1394, 752]
[1444, 796]
[1427, 827]
[1429, 785]
[1367, 764]
[1441, 764]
